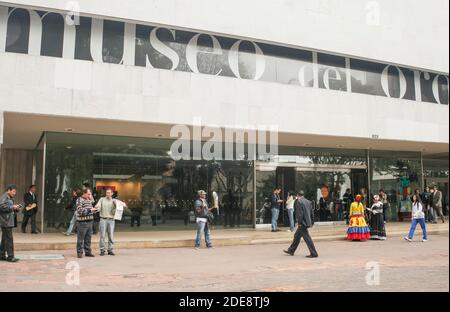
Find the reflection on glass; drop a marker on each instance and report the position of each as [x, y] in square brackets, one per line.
[399, 175]
[166, 48]
[159, 191]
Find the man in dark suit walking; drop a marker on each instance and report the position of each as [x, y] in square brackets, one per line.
[30, 210]
[305, 218]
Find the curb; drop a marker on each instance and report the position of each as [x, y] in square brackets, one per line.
[188, 243]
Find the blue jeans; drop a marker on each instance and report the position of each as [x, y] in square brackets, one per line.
[291, 219]
[107, 227]
[72, 223]
[430, 214]
[413, 228]
[275, 214]
[203, 227]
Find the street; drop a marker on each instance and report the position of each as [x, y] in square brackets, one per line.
[400, 266]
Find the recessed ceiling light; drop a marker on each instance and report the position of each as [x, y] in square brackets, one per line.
[68, 129]
[339, 145]
[159, 135]
[69, 147]
[306, 144]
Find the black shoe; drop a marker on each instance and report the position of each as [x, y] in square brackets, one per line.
[34, 232]
[79, 255]
[312, 256]
[89, 255]
[24, 231]
[110, 253]
[2, 258]
[102, 253]
[12, 259]
[288, 252]
[273, 231]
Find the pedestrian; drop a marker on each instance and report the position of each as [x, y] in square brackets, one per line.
[437, 204]
[384, 200]
[347, 199]
[85, 219]
[418, 216]
[63, 203]
[30, 210]
[136, 213]
[376, 224]
[426, 202]
[358, 229]
[7, 211]
[106, 207]
[228, 205]
[305, 220]
[72, 208]
[203, 219]
[276, 204]
[290, 201]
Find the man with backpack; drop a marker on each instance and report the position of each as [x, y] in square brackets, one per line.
[305, 218]
[202, 213]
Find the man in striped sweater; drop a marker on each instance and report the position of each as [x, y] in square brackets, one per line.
[85, 218]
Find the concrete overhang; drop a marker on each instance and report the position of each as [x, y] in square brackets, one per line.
[23, 131]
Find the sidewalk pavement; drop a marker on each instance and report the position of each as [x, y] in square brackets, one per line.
[220, 236]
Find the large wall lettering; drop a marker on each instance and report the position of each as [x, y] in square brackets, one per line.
[46, 34]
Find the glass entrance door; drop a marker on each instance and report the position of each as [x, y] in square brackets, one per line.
[324, 185]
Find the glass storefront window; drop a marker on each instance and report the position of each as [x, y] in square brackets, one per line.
[158, 190]
[399, 174]
[436, 172]
[323, 174]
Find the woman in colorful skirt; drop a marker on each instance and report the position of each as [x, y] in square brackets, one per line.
[358, 229]
[376, 223]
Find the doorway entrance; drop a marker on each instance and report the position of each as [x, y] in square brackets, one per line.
[323, 185]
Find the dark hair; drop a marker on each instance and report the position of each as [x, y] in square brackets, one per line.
[86, 190]
[31, 186]
[418, 199]
[11, 187]
[301, 193]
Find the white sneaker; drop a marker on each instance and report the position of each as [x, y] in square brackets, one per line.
[424, 240]
[197, 248]
[407, 239]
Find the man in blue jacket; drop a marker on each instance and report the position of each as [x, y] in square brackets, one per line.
[7, 211]
[305, 218]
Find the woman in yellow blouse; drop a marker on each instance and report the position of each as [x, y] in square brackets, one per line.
[358, 229]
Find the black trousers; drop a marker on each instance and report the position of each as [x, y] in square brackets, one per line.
[26, 218]
[84, 236]
[7, 244]
[137, 219]
[303, 232]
